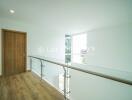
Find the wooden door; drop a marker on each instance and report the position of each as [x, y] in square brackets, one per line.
[14, 52]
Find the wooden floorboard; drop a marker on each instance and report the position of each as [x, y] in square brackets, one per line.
[27, 86]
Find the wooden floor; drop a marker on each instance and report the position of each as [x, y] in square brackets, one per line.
[27, 86]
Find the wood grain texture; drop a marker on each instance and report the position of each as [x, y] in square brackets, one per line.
[14, 52]
[27, 86]
[20, 52]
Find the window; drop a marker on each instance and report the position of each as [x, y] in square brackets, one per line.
[79, 47]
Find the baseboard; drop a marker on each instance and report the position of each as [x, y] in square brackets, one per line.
[53, 86]
[28, 70]
[49, 83]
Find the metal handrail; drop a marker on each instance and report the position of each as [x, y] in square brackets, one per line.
[128, 82]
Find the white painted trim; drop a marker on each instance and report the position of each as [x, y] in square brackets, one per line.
[53, 86]
[49, 83]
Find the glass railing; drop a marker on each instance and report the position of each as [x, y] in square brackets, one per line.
[83, 82]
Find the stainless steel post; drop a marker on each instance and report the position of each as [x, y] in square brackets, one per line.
[30, 63]
[41, 69]
[65, 90]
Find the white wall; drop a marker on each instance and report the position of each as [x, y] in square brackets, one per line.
[83, 86]
[112, 50]
[90, 87]
[49, 45]
[111, 47]
[10, 24]
[112, 56]
[40, 44]
[105, 20]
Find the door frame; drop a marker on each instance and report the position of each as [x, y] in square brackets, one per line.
[2, 45]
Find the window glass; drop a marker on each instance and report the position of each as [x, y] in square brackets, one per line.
[79, 48]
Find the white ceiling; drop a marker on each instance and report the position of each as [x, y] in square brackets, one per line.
[68, 14]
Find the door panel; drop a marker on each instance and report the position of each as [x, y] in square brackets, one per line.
[14, 52]
[8, 53]
[20, 52]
